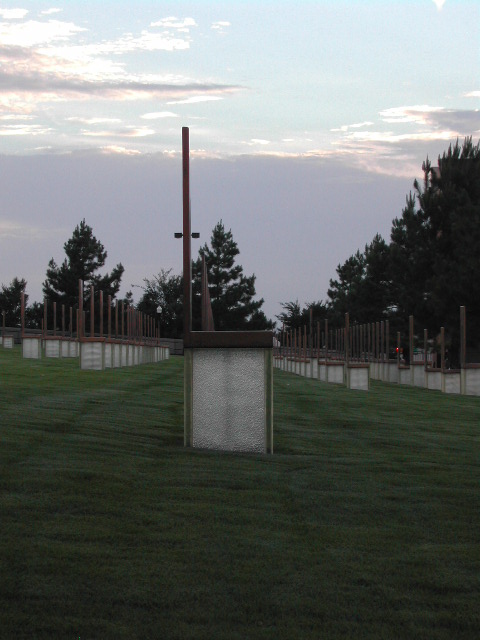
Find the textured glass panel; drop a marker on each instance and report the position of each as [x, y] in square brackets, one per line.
[52, 348]
[229, 399]
[31, 347]
[92, 355]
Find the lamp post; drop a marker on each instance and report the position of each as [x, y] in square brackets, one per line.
[187, 235]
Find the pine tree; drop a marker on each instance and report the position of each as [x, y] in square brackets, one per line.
[435, 245]
[231, 292]
[85, 255]
[10, 301]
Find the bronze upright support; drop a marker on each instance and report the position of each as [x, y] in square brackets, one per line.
[100, 303]
[45, 302]
[347, 337]
[326, 340]
[463, 338]
[387, 339]
[442, 346]
[187, 251]
[22, 311]
[410, 339]
[109, 317]
[425, 346]
[92, 312]
[382, 341]
[80, 310]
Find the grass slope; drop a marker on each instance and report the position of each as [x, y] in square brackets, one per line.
[364, 524]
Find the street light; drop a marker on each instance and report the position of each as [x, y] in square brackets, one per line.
[195, 234]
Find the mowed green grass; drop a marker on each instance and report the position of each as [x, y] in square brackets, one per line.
[365, 523]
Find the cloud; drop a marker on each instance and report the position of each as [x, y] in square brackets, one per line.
[220, 26]
[13, 14]
[51, 11]
[435, 119]
[394, 144]
[25, 82]
[174, 23]
[439, 4]
[419, 114]
[147, 41]
[260, 141]
[16, 116]
[127, 132]
[23, 130]
[358, 125]
[30, 76]
[196, 99]
[117, 150]
[391, 137]
[10, 230]
[91, 120]
[49, 62]
[52, 32]
[472, 94]
[34, 32]
[159, 114]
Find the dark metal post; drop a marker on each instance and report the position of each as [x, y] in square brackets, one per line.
[80, 310]
[187, 260]
[442, 346]
[22, 311]
[101, 313]
[347, 337]
[425, 345]
[45, 317]
[387, 339]
[410, 339]
[92, 312]
[109, 317]
[463, 340]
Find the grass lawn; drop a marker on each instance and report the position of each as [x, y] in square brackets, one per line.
[364, 524]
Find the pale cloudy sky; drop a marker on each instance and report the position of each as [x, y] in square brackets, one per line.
[308, 122]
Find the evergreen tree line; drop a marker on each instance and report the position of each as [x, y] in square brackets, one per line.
[430, 267]
[232, 293]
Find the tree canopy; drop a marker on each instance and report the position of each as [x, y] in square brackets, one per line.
[432, 265]
[294, 316]
[231, 292]
[10, 301]
[162, 299]
[85, 255]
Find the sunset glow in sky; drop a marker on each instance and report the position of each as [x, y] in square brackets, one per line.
[348, 96]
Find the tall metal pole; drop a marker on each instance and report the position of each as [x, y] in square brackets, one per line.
[463, 338]
[187, 260]
[100, 304]
[80, 325]
[92, 312]
[22, 311]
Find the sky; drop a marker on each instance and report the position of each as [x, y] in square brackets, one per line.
[309, 122]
